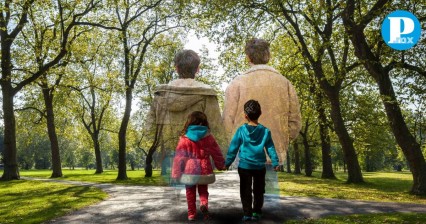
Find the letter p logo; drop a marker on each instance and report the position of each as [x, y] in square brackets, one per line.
[395, 28]
[401, 30]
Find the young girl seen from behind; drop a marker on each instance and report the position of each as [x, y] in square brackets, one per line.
[191, 164]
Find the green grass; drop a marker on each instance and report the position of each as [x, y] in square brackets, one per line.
[383, 218]
[136, 177]
[378, 186]
[25, 201]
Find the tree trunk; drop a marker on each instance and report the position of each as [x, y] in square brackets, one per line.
[152, 149]
[307, 149]
[404, 138]
[148, 161]
[95, 138]
[354, 170]
[51, 130]
[122, 173]
[327, 166]
[288, 163]
[93, 129]
[308, 159]
[296, 158]
[410, 147]
[11, 171]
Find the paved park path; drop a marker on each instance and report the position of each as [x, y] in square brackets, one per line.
[147, 204]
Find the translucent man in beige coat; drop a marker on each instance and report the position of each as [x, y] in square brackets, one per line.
[275, 93]
[175, 101]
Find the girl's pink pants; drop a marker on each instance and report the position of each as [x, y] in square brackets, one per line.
[191, 195]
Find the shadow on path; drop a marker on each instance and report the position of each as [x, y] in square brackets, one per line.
[150, 204]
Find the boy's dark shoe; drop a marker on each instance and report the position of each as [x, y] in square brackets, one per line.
[256, 216]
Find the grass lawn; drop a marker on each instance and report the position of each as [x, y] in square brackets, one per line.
[383, 218]
[136, 177]
[378, 186]
[25, 201]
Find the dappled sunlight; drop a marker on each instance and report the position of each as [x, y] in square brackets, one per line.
[381, 218]
[128, 203]
[135, 177]
[378, 186]
[36, 201]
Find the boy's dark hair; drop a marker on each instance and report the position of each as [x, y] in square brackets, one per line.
[187, 62]
[252, 110]
[196, 118]
[258, 51]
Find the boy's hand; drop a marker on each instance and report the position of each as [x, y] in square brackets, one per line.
[222, 169]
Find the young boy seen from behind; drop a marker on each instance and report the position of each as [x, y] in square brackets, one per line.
[249, 142]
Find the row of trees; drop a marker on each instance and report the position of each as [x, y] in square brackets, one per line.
[76, 70]
[333, 50]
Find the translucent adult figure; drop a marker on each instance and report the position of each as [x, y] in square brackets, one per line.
[280, 104]
[174, 101]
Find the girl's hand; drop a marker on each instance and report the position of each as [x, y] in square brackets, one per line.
[223, 169]
[277, 168]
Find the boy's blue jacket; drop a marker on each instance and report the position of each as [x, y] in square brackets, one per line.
[250, 142]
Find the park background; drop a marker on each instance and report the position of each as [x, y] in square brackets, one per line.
[77, 79]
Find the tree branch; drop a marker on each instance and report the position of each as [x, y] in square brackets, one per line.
[395, 64]
[98, 25]
[85, 124]
[4, 21]
[148, 7]
[305, 51]
[63, 50]
[108, 130]
[374, 11]
[22, 20]
[42, 113]
[352, 66]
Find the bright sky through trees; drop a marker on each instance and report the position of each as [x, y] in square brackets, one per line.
[196, 44]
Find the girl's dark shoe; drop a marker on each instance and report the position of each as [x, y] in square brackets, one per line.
[205, 212]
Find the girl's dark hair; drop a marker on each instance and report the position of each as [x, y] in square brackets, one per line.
[195, 118]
